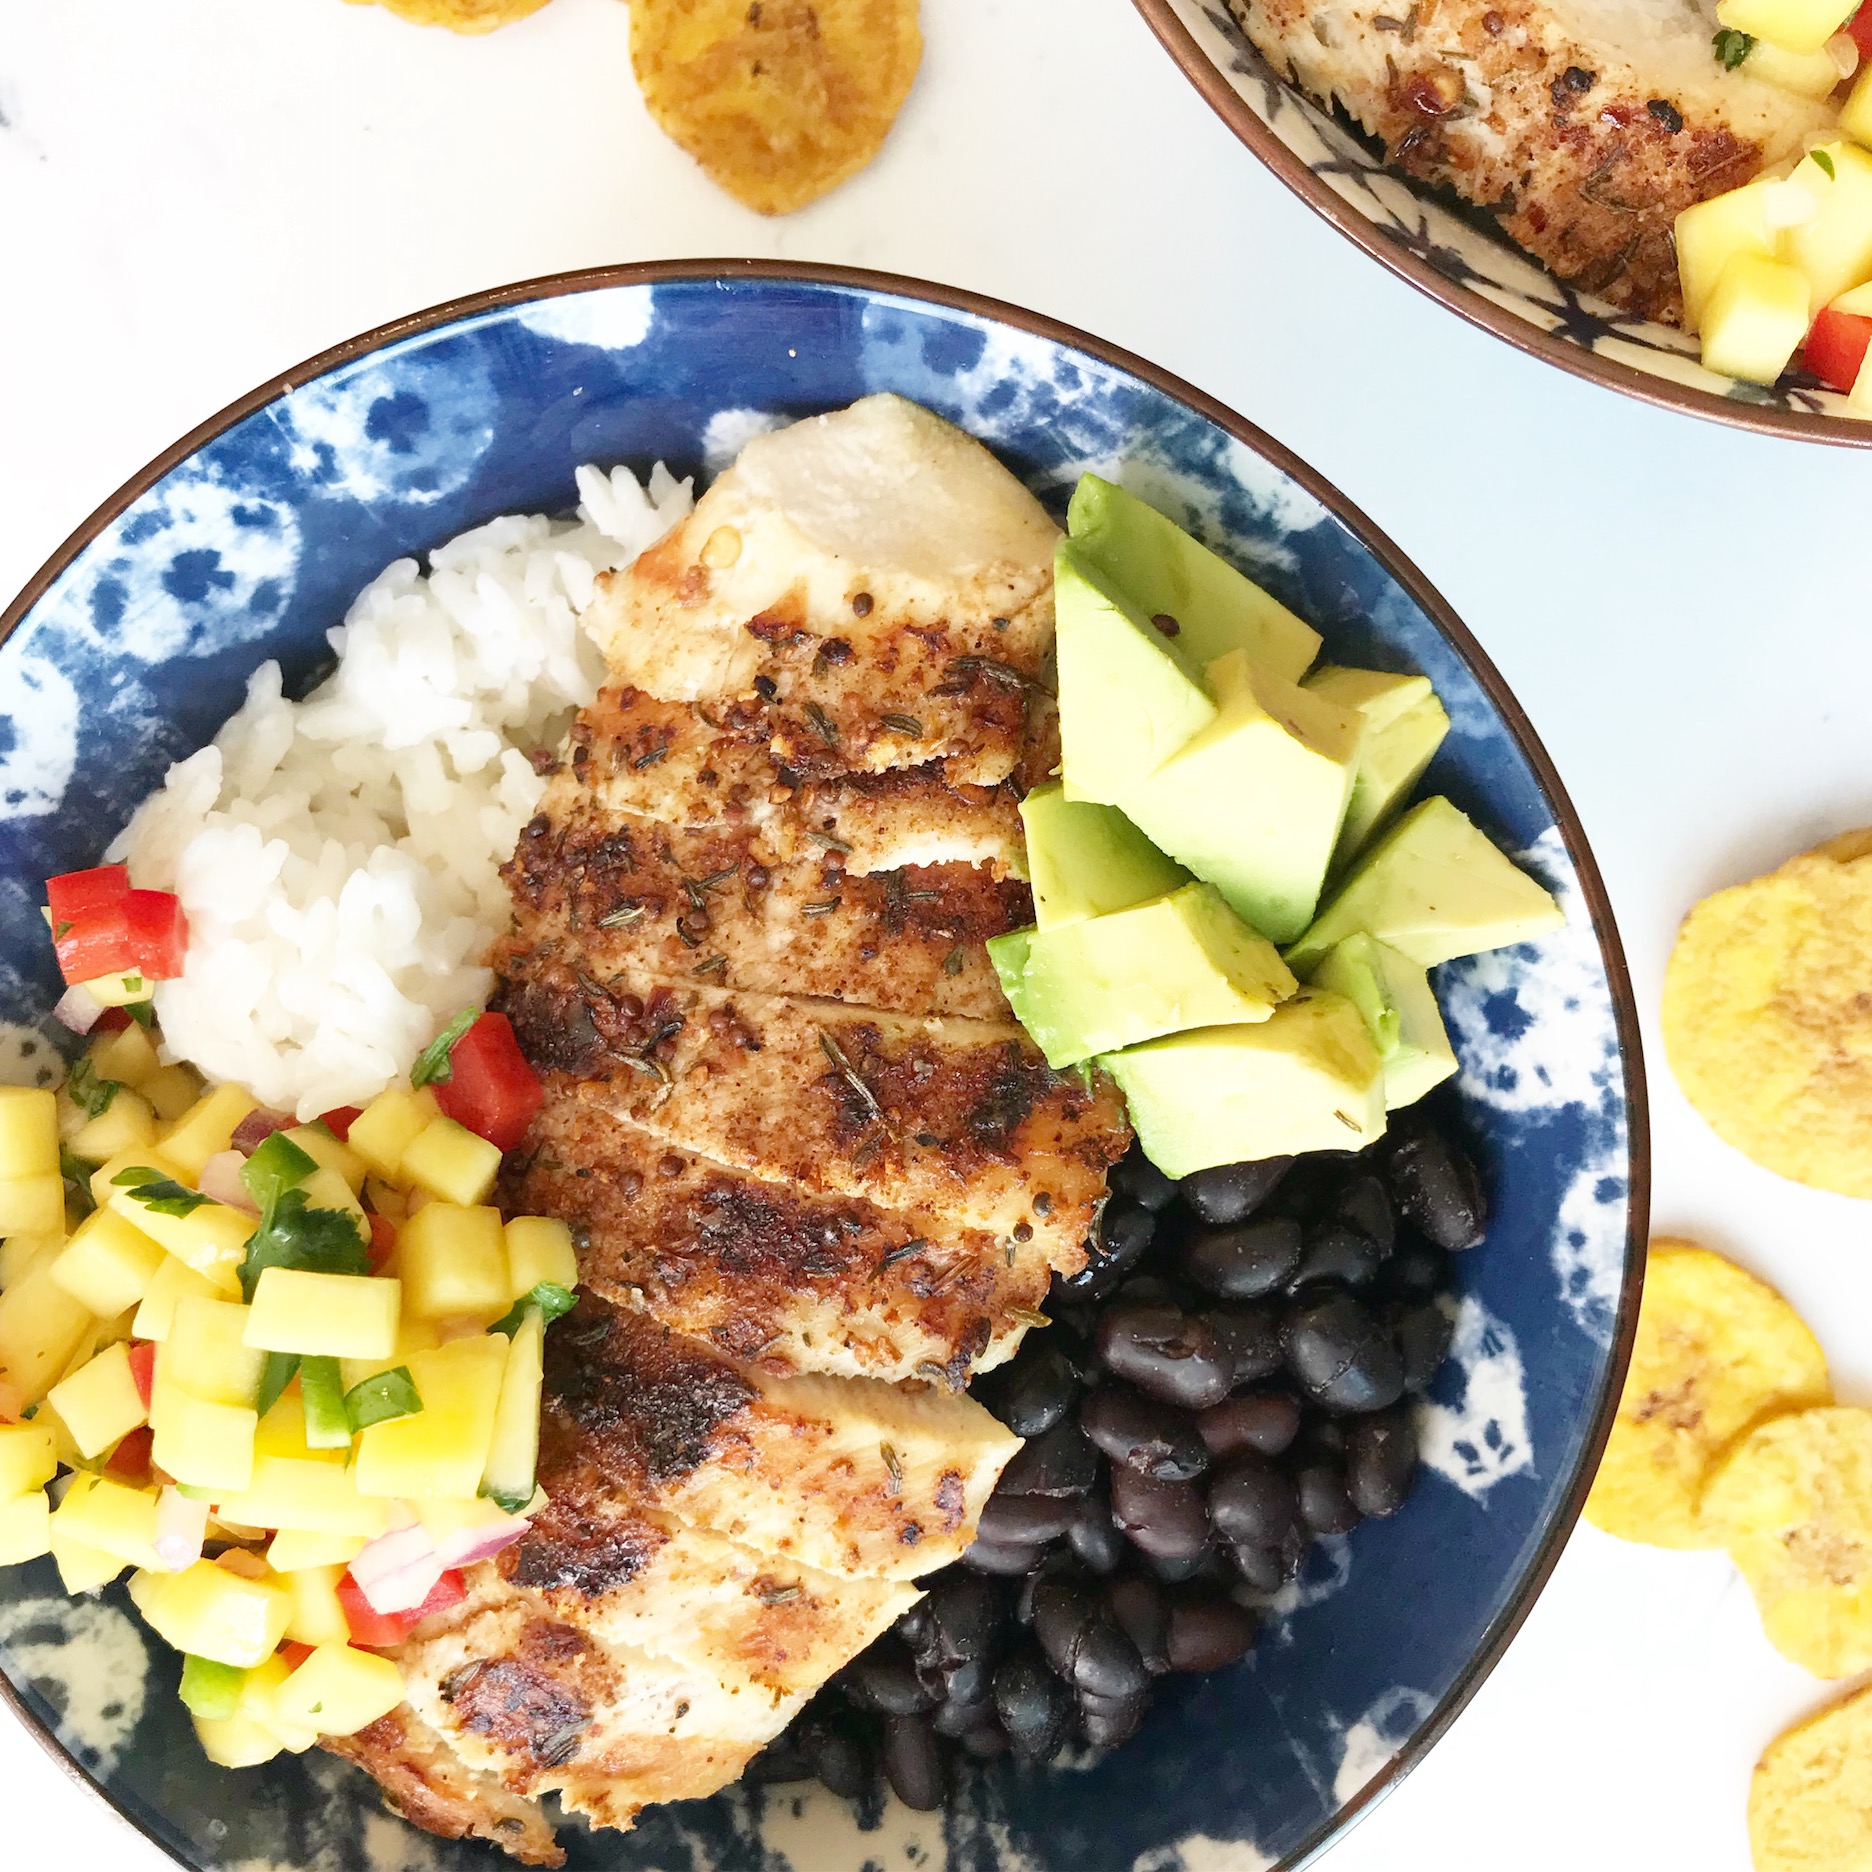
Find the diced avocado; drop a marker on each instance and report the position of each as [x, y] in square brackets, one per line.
[1253, 804]
[1185, 960]
[1404, 726]
[1085, 860]
[1168, 574]
[1308, 1078]
[1433, 887]
[1400, 1009]
[1128, 697]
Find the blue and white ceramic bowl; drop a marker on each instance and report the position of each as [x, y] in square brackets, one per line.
[1460, 260]
[248, 541]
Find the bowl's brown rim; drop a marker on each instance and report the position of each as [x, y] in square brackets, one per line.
[1592, 887]
[1479, 310]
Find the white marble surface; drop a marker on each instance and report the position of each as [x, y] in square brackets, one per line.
[195, 194]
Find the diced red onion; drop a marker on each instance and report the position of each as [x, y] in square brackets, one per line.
[258, 1126]
[221, 1179]
[464, 1546]
[181, 1525]
[397, 1571]
[78, 1009]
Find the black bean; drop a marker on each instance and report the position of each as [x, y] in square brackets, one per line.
[1108, 1663]
[1246, 1262]
[1325, 1505]
[1362, 1204]
[1084, 1642]
[1381, 1460]
[1140, 1179]
[1231, 1192]
[1124, 1230]
[966, 1682]
[1259, 1420]
[1264, 1568]
[840, 1759]
[1107, 1721]
[1435, 1186]
[957, 1719]
[886, 1676]
[1208, 1631]
[913, 1762]
[1063, 1606]
[1061, 1463]
[1164, 1519]
[1341, 1353]
[1143, 1614]
[1310, 1189]
[1094, 1538]
[1165, 1353]
[1152, 1290]
[1177, 1569]
[1252, 1500]
[783, 1759]
[1415, 1271]
[967, 1616]
[916, 1628]
[1319, 1436]
[1155, 1439]
[1423, 1336]
[1001, 1562]
[1024, 1520]
[987, 1742]
[1033, 1706]
[1249, 1338]
[1056, 1566]
[1335, 1252]
[1035, 1391]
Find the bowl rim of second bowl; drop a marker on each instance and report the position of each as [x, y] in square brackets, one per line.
[1477, 309]
[1508, 1621]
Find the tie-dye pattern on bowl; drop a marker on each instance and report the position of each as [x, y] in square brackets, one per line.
[134, 649]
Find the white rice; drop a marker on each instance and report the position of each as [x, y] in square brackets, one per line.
[339, 857]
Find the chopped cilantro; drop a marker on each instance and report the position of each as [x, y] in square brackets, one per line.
[155, 1191]
[1823, 162]
[93, 1095]
[1732, 47]
[548, 1296]
[77, 1172]
[141, 1012]
[292, 1234]
[432, 1065]
[382, 1399]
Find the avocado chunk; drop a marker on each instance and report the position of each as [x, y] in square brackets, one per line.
[1170, 575]
[1253, 802]
[1086, 860]
[1307, 1078]
[1183, 960]
[1433, 887]
[1404, 726]
[1400, 1009]
[1128, 697]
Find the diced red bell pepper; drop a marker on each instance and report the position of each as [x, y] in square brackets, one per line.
[339, 1120]
[131, 1458]
[1836, 346]
[374, 1630]
[382, 1241]
[112, 1020]
[158, 932]
[294, 1653]
[80, 894]
[490, 1088]
[1860, 26]
[143, 1368]
[137, 930]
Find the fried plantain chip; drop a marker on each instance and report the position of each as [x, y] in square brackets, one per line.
[1717, 1350]
[778, 100]
[462, 16]
[1767, 1018]
[1810, 1804]
[1793, 1504]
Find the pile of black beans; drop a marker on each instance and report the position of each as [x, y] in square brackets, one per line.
[1228, 1380]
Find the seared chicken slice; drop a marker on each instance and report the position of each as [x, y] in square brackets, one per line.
[428, 1783]
[769, 1272]
[959, 1116]
[870, 588]
[846, 1475]
[612, 891]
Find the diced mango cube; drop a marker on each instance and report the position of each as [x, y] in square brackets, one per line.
[539, 1248]
[108, 1264]
[443, 1449]
[201, 1443]
[129, 1056]
[235, 1741]
[207, 1352]
[453, 1263]
[25, 1527]
[339, 1690]
[32, 1205]
[451, 1163]
[99, 1402]
[1856, 113]
[29, 1140]
[1795, 25]
[1755, 319]
[126, 1123]
[326, 1315]
[331, 1153]
[317, 1617]
[172, 1283]
[1711, 233]
[316, 1494]
[19, 1253]
[110, 1518]
[27, 1460]
[212, 1239]
[41, 1326]
[387, 1127]
[119, 990]
[259, 1703]
[293, 1549]
[207, 1128]
[217, 1614]
[82, 1568]
[1806, 74]
[1834, 247]
[171, 1090]
[413, 1335]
